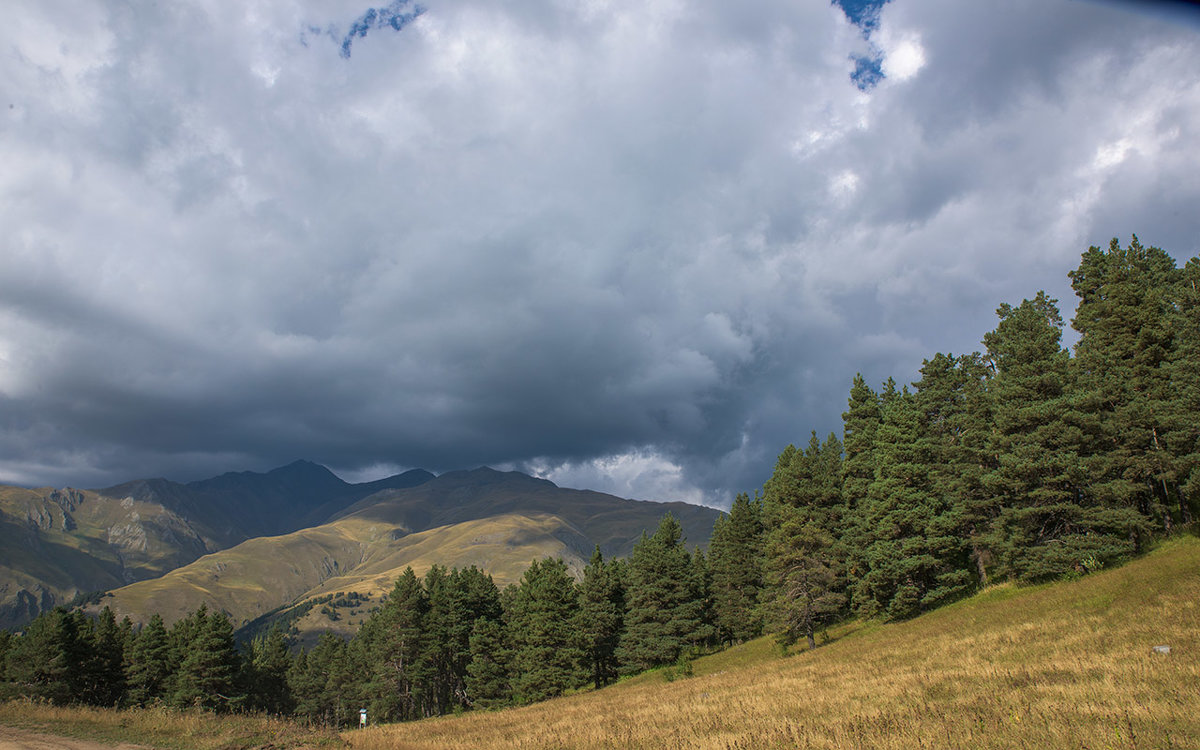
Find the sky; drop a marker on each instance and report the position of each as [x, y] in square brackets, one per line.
[637, 247]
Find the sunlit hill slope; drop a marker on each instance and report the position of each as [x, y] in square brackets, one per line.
[57, 544]
[498, 521]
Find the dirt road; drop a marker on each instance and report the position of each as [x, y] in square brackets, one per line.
[20, 739]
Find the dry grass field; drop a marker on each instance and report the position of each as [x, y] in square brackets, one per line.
[165, 728]
[1068, 665]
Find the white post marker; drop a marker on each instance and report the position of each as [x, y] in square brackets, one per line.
[362, 718]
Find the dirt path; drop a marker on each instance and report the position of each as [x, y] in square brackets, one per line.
[20, 739]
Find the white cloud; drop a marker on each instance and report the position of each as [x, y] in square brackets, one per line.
[639, 474]
[903, 55]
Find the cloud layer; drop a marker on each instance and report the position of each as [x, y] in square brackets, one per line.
[638, 246]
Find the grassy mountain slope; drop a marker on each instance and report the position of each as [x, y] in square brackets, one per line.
[55, 544]
[499, 521]
[612, 522]
[1067, 665]
[262, 575]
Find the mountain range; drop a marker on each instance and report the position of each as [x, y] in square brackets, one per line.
[297, 544]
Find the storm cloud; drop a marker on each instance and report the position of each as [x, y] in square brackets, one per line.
[634, 246]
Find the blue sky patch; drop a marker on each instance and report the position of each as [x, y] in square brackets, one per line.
[396, 16]
[868, 69]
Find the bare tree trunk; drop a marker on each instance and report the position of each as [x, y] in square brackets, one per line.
[977, 556]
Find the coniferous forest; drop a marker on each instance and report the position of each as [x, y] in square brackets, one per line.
[1024, 462]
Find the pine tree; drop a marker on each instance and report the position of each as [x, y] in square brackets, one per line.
[803, 589]
[393, 639]
[46, 661]
[318, 680]
[860, 423]
[456, 600]
[1183, 438]
[955, 424]
[736, 562]
[488, 683]
[208, 673]
[5, 643]
[914, 561]
[1122, 382]
[269, 663]
[601, 618]
[704, 634]
[439, 649]
[803, 579]
[665, 613]
[104, 672]
[1045, 525]
[148, 670]
[547, 647]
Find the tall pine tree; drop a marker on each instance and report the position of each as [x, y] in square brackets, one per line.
[735, 558]
[1183, 436]
[209, 672]
[148, 669]
[665, 603]
[547, 647]
[1046, 524]
[1122, 379]
[601, 618]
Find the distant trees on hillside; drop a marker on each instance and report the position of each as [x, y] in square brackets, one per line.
[445, 642]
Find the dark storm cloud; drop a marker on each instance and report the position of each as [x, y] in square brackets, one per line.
[632, 246]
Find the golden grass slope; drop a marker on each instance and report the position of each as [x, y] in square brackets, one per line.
[1068, 665]
[498, 521]
[352, 554]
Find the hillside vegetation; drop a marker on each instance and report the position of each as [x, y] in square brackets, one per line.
[280, 574]
[1065, 665]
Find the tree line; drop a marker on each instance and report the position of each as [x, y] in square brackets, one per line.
[445, 642]
[1021, 463]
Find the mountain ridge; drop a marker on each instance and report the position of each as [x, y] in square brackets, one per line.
[497, 521]
[301, 526]
[57, 545]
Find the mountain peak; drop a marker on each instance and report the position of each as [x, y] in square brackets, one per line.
[302, 468]
[488, 475]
